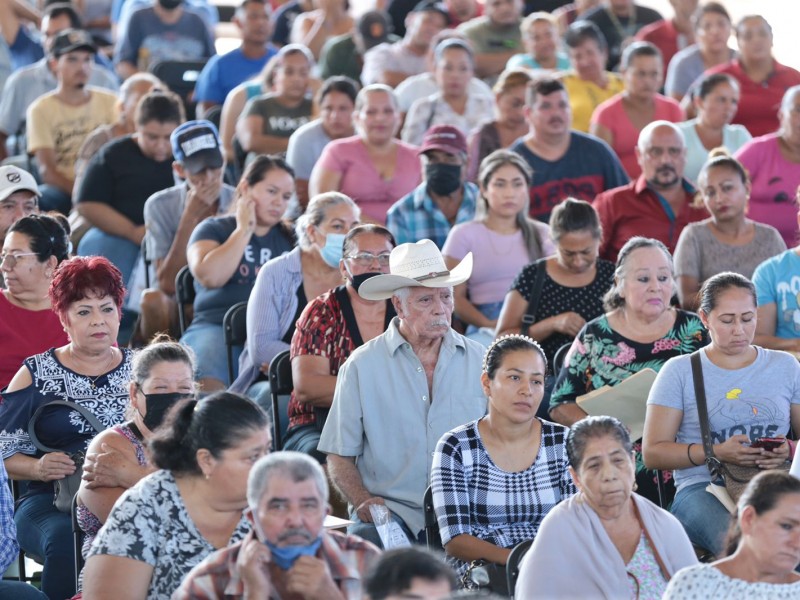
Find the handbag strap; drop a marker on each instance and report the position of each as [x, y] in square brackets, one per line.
[649, 539]
[529, 318]
[85, 413]
[712, 462]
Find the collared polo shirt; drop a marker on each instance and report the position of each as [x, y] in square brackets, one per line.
[759, 103]
[636, 209]
[384, 415]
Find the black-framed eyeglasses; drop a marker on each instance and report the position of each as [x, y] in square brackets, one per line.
[11, 259]
[365, 259]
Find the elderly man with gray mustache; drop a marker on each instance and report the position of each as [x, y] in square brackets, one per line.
[400, 392]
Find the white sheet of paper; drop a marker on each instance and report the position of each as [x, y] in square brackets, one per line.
[627, 401]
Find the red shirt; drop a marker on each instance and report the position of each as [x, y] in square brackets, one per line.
[635, 209]
[24, 333]
[664, 36]
[760, 102]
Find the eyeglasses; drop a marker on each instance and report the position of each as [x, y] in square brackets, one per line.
[11, 259]
[365, 259]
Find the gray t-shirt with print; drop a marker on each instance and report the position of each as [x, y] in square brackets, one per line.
[754, 401]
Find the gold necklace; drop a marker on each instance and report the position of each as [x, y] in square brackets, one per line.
[93, 380]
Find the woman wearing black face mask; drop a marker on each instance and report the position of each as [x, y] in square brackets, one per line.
[163, 374]
[331, 327]
[502, 238]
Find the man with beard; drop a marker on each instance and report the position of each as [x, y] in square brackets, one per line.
[331, 327]
[566, 163]
[659, 204]
[288, 554]
[400, 392]
[59, 121]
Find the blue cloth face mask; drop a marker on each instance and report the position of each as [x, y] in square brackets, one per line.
[286, 556]
[333, 249]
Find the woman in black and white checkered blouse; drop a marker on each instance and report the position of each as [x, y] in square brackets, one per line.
[496, 478]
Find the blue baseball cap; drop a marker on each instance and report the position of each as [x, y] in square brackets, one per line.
[196, 145]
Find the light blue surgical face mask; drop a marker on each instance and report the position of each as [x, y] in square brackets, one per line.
[286, 556]
[333, 249]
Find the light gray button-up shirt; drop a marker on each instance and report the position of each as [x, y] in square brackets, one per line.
[382, 414]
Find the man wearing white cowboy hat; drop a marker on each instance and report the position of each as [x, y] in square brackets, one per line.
[400, 392]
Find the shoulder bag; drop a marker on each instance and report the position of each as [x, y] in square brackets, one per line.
[735, 477]
[66, 488]
[529, 318]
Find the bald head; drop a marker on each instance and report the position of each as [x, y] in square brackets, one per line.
[661, 153]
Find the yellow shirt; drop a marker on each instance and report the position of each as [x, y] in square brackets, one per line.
[53, 124]
[585, 96]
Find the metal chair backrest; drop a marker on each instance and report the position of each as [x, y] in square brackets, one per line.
[512, 564]
[234, 327]
[280, 384]
[434, 540]
[184, 294]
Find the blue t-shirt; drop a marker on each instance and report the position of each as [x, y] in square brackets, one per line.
[284, 19]
[753, 401]
[588, 167]
[25, 50]
[527, 61]
[223, 73]
[210, 305]
[777, 281]
[149, 39]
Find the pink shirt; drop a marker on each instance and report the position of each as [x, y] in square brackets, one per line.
[774, 181]
[497, 258]
[611, 115]
[373, 194]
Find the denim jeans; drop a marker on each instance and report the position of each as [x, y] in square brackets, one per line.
[122, 253]
[207, 340]
[19, 590]
[54, 198]
[45, 532]
[704, 518]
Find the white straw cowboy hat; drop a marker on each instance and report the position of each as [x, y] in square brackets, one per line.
[414, 265]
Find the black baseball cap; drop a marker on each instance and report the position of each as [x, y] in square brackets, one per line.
[70, 40]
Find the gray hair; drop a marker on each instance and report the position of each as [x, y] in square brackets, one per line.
[594, 428]
[296, 466]
[613, 298]
[646, 134]
[788, 98]
[131, 82]
[316, 211]
[374, 88]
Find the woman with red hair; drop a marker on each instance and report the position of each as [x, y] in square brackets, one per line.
[86, 293]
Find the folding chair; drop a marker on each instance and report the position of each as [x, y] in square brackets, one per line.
[181, 77]
[280, 387]
[234, 326]
[512, 564]
[77, 539]
[184, 294]
[434, 540]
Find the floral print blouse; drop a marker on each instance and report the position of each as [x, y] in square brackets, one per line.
[600, 356]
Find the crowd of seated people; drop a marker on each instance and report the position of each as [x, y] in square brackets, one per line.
[454, 236]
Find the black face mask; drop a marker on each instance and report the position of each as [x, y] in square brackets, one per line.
[443, 179]
[170, 4]
[158, 406]
[357, 280]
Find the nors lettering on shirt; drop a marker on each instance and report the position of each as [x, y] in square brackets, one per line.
[283, 123]
[753, 432]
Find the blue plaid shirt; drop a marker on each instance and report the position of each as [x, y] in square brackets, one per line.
[8, 531]
[416, 217]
